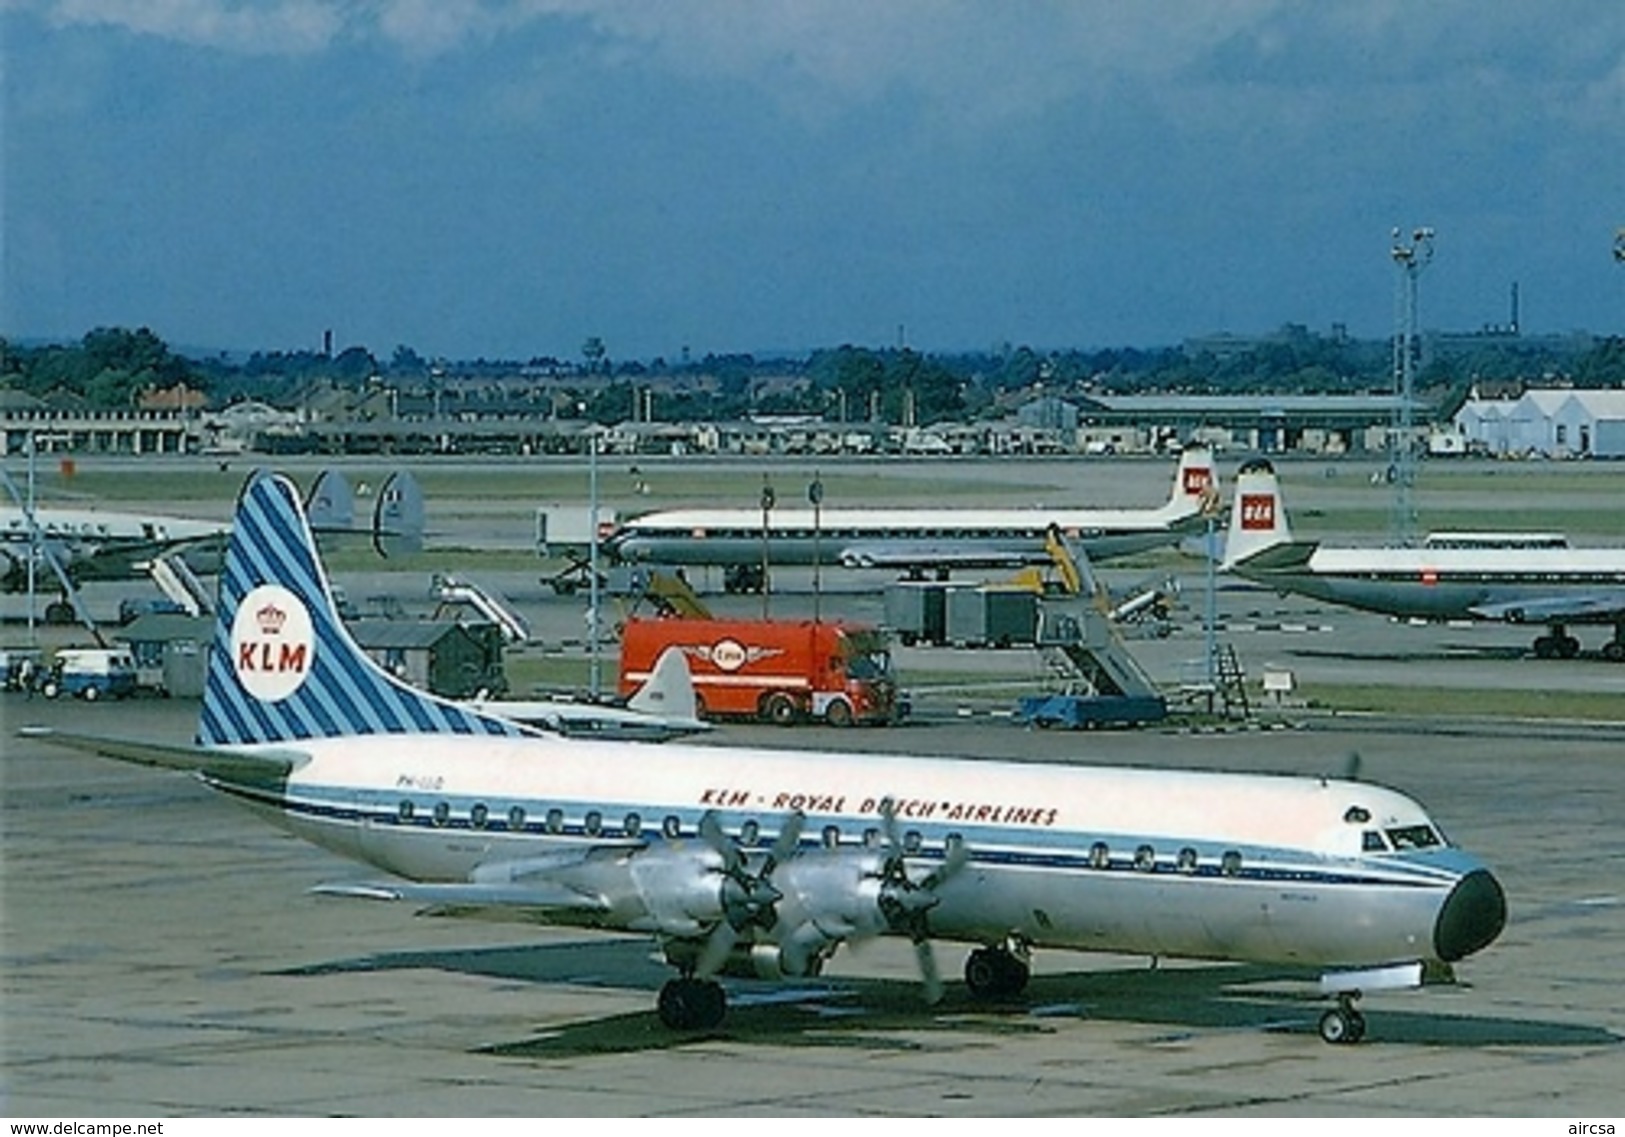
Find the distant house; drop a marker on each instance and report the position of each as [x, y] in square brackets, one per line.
[180, 397]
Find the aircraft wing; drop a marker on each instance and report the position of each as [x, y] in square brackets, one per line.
[237, 767]
[535, 888]
[903, 555]
[1601, 607]
[534, 900]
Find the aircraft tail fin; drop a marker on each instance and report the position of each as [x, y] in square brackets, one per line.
[331, 503]
[669, 693]
[1257, 516]
[1196, 482]
[397, 516]
[283, 667]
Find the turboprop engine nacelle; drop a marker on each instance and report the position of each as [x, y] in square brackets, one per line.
[829, 896]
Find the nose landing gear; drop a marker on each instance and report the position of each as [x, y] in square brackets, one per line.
[1343, 1024]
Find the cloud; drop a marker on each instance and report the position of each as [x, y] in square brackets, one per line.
[279, 27]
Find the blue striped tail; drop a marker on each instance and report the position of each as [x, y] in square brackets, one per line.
[283, 667]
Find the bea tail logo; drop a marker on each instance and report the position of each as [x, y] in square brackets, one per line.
[273, 643]
[1258, 512]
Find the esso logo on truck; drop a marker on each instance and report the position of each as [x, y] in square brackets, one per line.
[729, 655]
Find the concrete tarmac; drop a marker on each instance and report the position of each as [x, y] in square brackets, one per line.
[161, 953]
[163, 956]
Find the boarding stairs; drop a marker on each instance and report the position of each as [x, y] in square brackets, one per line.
[176, 580]
[453, 590]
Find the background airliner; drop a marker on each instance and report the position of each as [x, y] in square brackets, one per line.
[917, 539]
[1532, 578]
[96, 544]
[664, 707]
[93, 544]
[767, 862]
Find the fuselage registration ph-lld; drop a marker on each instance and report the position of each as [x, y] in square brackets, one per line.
[745, 860]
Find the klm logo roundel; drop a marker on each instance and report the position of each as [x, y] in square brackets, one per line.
[273, 644]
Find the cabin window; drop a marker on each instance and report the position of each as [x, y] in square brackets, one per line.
[1187, 860]
[1145, 858]
[516, 818]
[442, 812]
[952, 842]
[831, 836]
[1230, 863]
[405, 811]
[479, 815]
[633, 825]
[1371, 841]
[671, 826]
[750, 832]
[912, 841]
[871, 838]
[1413, 837]
[1100, 856]
[594, 823]
[555, 820]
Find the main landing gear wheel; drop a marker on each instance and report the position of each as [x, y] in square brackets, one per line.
[996, 973]
[692, 1004]
[1343, 1025]
[1557, 646]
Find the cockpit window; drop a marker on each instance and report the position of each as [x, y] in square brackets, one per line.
[1371, 841]
[1414, 837]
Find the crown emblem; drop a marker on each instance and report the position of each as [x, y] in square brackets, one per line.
[270, 619]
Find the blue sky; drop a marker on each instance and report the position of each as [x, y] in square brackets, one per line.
[508, 177]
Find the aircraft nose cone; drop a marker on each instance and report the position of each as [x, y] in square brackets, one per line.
[1472, 916]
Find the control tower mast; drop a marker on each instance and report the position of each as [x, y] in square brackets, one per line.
[1411, 256]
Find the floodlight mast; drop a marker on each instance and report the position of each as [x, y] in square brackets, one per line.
[1411, 255]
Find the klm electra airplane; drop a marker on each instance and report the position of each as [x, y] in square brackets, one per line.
[917, 540]
[752, 861]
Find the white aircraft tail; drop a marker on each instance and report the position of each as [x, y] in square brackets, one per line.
[283, 667]
[397, 523]
[1196, 482]
[669, 693]
[1257, 516]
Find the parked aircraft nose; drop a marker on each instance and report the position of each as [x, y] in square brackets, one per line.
[1472, 916]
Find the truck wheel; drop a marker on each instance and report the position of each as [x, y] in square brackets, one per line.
[91, 694]
[838, 713]
[779, 709]
[50, 689]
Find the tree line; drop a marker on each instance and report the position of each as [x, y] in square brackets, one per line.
[109, 368]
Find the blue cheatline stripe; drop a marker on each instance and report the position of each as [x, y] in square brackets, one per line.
[1262, 866]
[344, 692]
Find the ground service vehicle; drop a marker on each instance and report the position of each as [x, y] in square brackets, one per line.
[782, 671]
[91, 674]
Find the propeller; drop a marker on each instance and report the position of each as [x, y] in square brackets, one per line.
[906, 904]
[747, 898]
